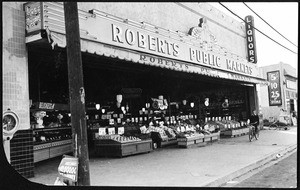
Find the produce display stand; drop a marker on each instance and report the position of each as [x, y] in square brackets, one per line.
[196, 140]
[111, 148]
[168, 142]
[234, 132]
[162, 141]
[212, 137]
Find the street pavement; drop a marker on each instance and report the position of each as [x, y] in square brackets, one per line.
[280, 175]
[208, 166]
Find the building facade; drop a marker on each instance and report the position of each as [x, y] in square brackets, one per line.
[185, 51]
[286, 84]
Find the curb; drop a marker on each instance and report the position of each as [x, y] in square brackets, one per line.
[257, 164]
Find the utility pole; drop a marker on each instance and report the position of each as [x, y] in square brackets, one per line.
[76, 92]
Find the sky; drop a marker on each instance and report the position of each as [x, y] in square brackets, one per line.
[283, 16]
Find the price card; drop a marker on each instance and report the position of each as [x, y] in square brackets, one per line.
[103, 117]
[121, 116]
[145, 118]
[182, 129]
[141, 118]
[102, 131]
[115, 115]
[111, 130]
[119, 120]
[120, 130]
[132, 120]
[111, 121]
[141, 112]
[136, 119]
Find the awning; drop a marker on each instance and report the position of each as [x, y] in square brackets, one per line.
[111, 36]
[56, 39]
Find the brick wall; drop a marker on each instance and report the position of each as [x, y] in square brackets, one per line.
[21, 153]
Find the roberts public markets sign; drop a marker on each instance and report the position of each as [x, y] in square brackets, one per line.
[138, 36]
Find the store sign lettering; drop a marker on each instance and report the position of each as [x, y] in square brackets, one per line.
[237, 66]
[250, 37]
[138, 40]
[204, 57]
[144, 41]
[44, 105]
[274, 88]
[163, 62]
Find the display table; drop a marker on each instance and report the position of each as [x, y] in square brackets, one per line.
[196, 140]
[162, 141]
[111, 148]
[49, 150]
[234, 132]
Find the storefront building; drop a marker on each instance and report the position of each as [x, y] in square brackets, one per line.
[161, 62]
[279, 99]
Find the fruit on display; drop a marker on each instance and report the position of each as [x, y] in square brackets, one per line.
[119, 138]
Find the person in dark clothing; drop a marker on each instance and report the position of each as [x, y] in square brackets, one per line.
[254, 120]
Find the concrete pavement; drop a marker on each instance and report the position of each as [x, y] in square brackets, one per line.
[208, 166]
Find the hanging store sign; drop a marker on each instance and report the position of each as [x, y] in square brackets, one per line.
[101, 27]
[250, 37]
[275, 98]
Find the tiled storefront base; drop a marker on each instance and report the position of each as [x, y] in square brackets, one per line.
[21, 153]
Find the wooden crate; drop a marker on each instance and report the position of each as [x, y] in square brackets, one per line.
[168, 142]
[235, 132]
[212, 137]
[110, 148]
[191, 141]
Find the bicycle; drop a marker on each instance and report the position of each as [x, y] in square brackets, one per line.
[277, 125]
[253, 133]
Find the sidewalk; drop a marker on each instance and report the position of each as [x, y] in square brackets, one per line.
[208, 166]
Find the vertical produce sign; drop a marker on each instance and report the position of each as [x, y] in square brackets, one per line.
[275, 98]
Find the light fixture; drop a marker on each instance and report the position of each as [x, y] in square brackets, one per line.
[119, 98]
[69, 114]
[206, 102]
[103, 110]
[97, 106]
[147, 105]
[192, 104]
[127, 107]
[161, 97]
[143, 109]
[184, 102]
